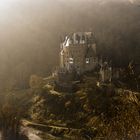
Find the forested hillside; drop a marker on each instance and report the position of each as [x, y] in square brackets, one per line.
[92, 112]
[31, 31]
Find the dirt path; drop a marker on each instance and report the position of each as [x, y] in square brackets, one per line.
[33, 131]
[33, 134]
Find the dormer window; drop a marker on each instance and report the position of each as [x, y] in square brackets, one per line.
[87, 60]
[71, 60]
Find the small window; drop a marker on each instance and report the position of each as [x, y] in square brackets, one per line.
[87, 60]
[71, 60]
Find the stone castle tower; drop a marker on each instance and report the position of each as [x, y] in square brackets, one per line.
[78, 52]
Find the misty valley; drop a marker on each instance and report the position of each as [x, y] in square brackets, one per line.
[70, 70]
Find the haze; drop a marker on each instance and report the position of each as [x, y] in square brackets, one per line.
[31, 31]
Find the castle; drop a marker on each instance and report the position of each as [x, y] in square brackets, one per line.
[78, 55]
[78, 52]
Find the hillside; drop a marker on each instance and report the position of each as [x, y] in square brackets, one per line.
[40, 100]
[92, 112]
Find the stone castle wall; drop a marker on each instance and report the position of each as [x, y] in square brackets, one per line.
[78, 53]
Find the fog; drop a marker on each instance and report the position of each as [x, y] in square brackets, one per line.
[31, 31]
